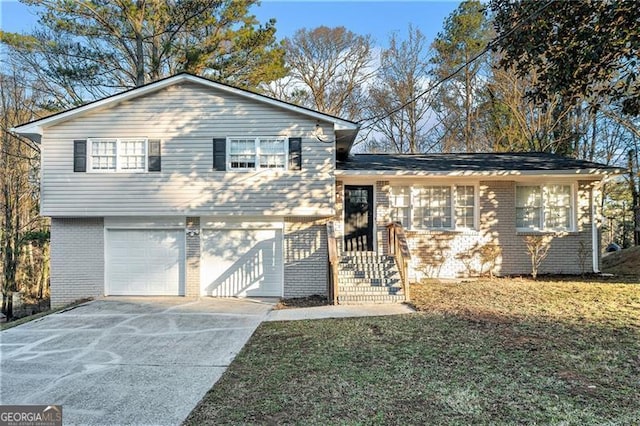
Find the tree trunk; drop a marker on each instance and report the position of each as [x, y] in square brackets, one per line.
[635, 205]
[44, 270]
[139, 60]
[8, 313]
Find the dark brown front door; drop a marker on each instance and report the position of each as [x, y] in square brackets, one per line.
[358, 218]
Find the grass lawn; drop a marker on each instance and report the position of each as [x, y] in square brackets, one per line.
[503, 351]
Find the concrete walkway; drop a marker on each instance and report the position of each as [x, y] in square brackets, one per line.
[339, 311]
[127, 360]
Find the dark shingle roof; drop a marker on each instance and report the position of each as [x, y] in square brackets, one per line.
[477, 162]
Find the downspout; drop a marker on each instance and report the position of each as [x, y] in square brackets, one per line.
[595, 220]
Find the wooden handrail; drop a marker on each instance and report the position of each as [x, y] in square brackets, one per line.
[334, 259]
[399, 248]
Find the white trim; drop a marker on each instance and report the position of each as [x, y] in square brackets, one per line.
[147, 222]
[36, 127]
[257, 153]
[543, 190]
[476, 208]
[375, 219]
[118, 165]
[502, 174]
[595, 218]
[217, 223]
[453, 192]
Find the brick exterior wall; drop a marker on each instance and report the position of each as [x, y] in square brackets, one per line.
[77, 259]
[381, 198]
[192, 279]
[448, 254]
[338, 219]
[563, 257]
[305, 257]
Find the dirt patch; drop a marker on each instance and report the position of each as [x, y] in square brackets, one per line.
[623, 262]
[302, 302]
[28, 306]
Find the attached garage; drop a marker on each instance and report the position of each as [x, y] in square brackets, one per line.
[145, 262]
[241, 262]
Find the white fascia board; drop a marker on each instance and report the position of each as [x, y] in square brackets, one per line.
[505, 174]
[36, 127]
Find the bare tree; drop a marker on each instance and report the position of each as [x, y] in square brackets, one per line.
[332, 65]
[398, 113]
[19, 161]
[515, 123]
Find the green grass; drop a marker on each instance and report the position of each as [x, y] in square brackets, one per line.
[502, 351]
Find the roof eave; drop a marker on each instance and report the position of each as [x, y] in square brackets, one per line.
[594, 173]
[30, 132]
[36, 127]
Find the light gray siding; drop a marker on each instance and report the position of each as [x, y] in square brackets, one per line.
[77, 259]
[186, 117]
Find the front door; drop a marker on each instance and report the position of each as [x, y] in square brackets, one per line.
[358, 218]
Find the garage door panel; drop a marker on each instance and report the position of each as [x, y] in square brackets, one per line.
[241, 262]
[145, 262]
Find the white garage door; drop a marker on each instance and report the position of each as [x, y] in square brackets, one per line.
[241, 262]
[145, 262]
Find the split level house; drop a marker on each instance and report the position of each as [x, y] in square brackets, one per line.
[189, 187]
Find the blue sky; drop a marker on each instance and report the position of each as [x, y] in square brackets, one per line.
[378, 18]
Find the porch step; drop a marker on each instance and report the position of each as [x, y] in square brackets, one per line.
[349, 299]
[363, 290]
[366, 277]
[377, 273]
[370, 282]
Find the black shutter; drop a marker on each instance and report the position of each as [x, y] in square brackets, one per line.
[220, 154]
[154, 156]
[295, 153]
[80, 156]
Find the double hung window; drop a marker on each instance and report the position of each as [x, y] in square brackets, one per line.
[544, 207]
[434, 207]
[117, 155]
[257, 153]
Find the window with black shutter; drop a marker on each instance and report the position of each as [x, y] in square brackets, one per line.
[80, 156]
[154, 160]
[220, 154]
[295, 153]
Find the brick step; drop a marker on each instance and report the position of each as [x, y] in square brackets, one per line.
[377, 282]
[373, 268]
[350, 255]
[372, 274]
[364, 299]
[386, 265]
[373, 279]
[344, 261]
[369, 290]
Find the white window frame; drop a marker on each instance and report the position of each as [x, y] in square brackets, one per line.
[476, 209]
[413, 190]
[257, 153]
[118, 166]
[544, 207]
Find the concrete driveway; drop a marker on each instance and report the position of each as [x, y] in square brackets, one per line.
[126, 360]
